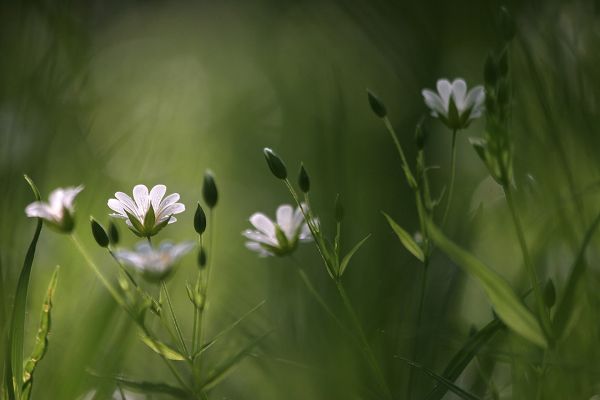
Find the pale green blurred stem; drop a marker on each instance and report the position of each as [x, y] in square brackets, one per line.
[209, 263]
[366, 347]
[533, 278]
[174, 317]
[418, 325]
[394, 136]
[452, 177]
[122, 267]
[94, 268]
[196, 310]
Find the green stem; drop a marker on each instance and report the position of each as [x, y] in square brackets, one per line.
[202, 312]
[418, 327]
[94, 268]
[368, 352]
[174, 318]
[452, 176]
[196, 310]
[123, 269]
[533, 278]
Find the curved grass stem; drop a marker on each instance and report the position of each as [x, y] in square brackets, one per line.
[174, 318]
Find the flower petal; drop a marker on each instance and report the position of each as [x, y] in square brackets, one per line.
[39, 209]
[434, 102]
[127, 202]
[262, 252]
[263, 224]
[459, 92]
[259, 237]
[285, 220]
[444, 88]
[156, 195]
[170, 199]
[140, 195]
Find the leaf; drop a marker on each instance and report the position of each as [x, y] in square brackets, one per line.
[221, 372]
[209, 344]
[41, 339]
[347, 257]
[138, 228]
[406, 239]
[152, 387]
[564, 308]
[160, 348]
[463, 394]
[464, 356]
[506, 303]
[17, 326]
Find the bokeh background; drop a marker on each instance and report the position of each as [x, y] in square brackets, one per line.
[110, 94]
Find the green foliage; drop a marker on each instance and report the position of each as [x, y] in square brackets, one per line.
[406, 239]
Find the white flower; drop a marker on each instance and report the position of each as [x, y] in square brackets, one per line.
[453, 104]
[148, 212]
[154, 263]
[59, 211]
[280, 237]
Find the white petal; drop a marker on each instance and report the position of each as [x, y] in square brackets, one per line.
[285, 220]
[305, 234]
[39, 209]
[116, 206]
[434, 102]
[170, 199]
[163, 213]
[459, 92]
[475, 97]
[180, 250]
[262, 252]
[444, 88]
[69, 196]
[263, 224]
[140, 195]
[127, 202]
[259, 237]
[156, 195]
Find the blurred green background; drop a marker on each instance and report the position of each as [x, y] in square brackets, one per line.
[110, 94]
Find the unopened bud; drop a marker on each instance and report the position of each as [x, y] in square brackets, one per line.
[199, 220]
[113, 233]
[376, 105]
[209, 189]
[99, 233]
[275, 164]
[303, 180]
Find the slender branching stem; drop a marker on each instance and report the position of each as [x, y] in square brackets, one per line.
[204, 289]
[533, 278]
[452, 177]
[394, 136]
[174, 317]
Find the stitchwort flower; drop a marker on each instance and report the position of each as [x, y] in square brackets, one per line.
[280, 237]
[453, 105]
[59, 211]
[148, 212]
[154, 264]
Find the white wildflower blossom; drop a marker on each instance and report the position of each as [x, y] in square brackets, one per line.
[453, 104]
[148, 212]
[154, 263]
[280, 237]
[59, 211]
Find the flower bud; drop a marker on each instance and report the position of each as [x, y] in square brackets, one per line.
[549, 294]
[303, 180]
[420, 136]
[376, 105]
[113, 233]
[202, 257]
[275, 164]
[209, 189]
[339, 209]
[99, 233]
[199, 220]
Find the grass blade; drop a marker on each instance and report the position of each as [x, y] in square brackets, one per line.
[463, 394]
[406, 239]
[161, 348]
[41, 339]
[17, 326]
[348, 257]
[464, 356]
[221, 372]
[152, 387]
[506, 303]
[565, 305]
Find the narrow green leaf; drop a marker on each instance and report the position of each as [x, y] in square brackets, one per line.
[506, 303]
[225, 331]
[406, 239]
[161, 348]
[463, 357]
[151, 387]
[221, 372]
[41, 339]
[565, 305]
[463, 394]
[137, 225]
[17, 326]
[149, 219]
[348, 257]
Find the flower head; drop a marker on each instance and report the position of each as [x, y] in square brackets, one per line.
[154, 263]
[453, 105]
[148, 212]
[278, 237]
[59, 211]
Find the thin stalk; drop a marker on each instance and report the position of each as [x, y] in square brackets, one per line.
[368, 352]
[196, 310]
[533, 278]
[418, 327]
[174, 318]
[94, 268]
[452, 176]
[209, 262]
[394, 136]
[122, 267]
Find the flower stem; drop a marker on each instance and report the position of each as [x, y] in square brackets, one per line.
[94, 268]
[366, 348]
[418, 326]
[174, 318]
[533, 278]
[405, 166]
[196, 308]
[452, 176]
[204, 289]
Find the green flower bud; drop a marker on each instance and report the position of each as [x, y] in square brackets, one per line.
[339, 209]
[275, 164]
[376, 105]
[303, 179]
[549, 294]
[209, 189]
[199, 220]
[202, 257]
[99, 233]
[113, 233]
